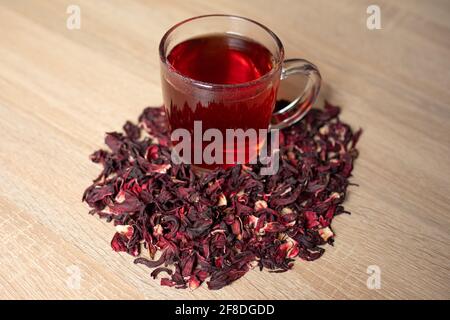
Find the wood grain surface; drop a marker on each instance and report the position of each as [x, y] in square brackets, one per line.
[61, 90]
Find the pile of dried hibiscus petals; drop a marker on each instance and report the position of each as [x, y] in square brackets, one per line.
[217, 227]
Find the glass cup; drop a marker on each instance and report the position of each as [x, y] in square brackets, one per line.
[247, 105]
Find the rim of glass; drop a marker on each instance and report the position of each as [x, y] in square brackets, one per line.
[211, 85]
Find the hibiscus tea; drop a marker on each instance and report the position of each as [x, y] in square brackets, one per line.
[219, 87]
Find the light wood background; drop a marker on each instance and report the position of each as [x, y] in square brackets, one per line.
[61, 89]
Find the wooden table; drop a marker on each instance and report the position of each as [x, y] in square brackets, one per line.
[61, 89]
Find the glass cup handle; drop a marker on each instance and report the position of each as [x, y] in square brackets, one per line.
[300, 106]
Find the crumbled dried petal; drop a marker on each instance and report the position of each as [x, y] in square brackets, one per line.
[326, 233]
[217, 227]
[222, 201]
[118, 244]
[194, 283]
[260, 204]
[125, 230]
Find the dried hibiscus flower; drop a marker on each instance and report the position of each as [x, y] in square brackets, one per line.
[216, 227]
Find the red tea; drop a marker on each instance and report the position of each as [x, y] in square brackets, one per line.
[220, 59]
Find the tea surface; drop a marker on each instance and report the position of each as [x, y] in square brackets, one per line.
[221, 59]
